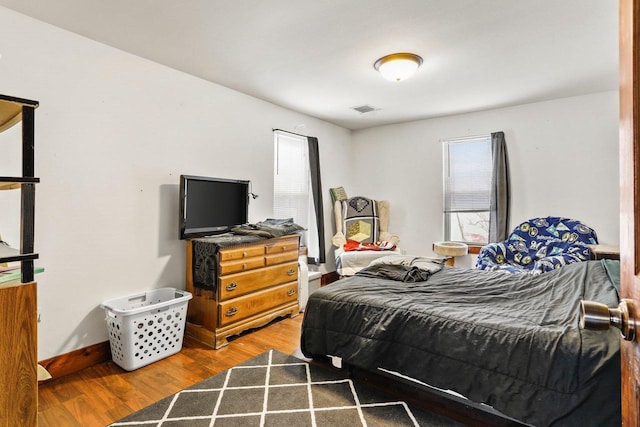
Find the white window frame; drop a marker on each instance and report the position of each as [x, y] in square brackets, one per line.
[292, 193]
[467, 183]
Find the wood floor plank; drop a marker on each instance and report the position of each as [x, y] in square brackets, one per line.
[101, 394]
[104, 393]
[88, 411]
[57, 416]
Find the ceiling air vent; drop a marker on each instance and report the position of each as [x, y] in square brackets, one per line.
[364, 109]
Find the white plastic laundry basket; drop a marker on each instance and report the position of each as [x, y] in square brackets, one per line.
[146, 327]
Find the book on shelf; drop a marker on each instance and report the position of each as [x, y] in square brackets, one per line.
[12, 271]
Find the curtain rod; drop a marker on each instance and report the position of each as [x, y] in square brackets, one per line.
[292, 133]
[463, 138]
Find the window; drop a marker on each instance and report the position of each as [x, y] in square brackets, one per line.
[467, 189]
[292, 193]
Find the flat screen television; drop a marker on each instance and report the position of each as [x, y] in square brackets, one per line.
[211, 205]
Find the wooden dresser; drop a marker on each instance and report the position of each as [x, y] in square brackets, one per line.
[254, 283]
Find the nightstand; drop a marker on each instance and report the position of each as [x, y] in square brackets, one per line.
[604, 251]
[450, 250]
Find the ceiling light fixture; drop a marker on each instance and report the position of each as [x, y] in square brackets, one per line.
[398, 66]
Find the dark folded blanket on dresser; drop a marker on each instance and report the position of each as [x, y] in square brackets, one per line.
[205, 250]
[269, 228]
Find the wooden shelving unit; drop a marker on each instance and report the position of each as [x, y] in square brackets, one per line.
[18, 298]
[13, 111]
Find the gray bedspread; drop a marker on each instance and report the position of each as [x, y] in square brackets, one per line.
[510, 341]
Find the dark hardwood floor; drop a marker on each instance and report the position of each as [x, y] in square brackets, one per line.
[104, 393]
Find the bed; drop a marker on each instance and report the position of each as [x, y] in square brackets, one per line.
[510, 341]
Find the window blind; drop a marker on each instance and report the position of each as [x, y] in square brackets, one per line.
[468, 168]
[291, 169]
[292, 180]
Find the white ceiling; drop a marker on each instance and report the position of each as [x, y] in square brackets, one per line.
[316, 56]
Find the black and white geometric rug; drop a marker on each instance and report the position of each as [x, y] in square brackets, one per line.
[275, 389]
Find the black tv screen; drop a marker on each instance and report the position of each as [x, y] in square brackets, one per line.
[211, 205]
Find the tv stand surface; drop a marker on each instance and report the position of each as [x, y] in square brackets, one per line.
[254, 283]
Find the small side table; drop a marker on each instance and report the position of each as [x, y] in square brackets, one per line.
[604, 251]
[450, 250]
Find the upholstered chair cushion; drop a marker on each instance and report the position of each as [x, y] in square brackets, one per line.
[539, 245]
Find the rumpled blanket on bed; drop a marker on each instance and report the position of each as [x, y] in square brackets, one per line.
[510, 341]
[400, 273]
[401, 268]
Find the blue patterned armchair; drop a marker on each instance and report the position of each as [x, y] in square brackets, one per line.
[539, 245]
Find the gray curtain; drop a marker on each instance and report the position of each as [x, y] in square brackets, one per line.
[316, 188]
[499, 207]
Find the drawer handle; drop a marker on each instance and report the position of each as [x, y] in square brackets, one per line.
[244, 266]
[291, 272]
[232, 311]
[291, 292]
[231, 286]
[244, 254]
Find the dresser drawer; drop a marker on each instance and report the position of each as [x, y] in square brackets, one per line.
[282, 245]
[240, 308]
[241, 252]
[234, 285]
[234, 266]
[279, 258]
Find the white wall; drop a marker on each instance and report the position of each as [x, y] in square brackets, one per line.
[113, 134]
[563, 158]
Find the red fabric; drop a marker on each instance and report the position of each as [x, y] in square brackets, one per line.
[352, 245]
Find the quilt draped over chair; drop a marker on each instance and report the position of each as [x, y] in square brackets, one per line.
[361, 226]
[539, 245]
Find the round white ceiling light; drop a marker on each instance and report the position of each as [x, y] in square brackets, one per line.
[398, 66]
